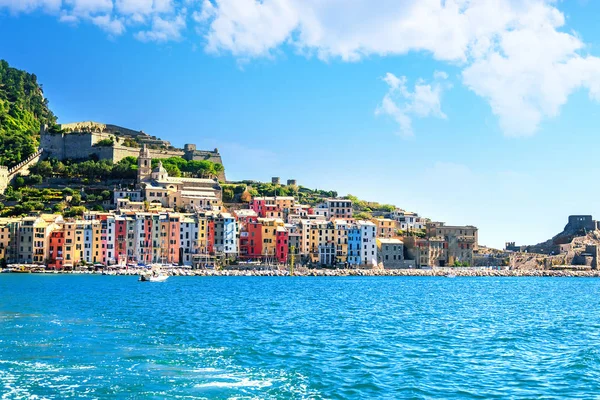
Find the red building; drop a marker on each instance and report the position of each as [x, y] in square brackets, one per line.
[57, 241]
[283, 238]
[259, 206]
[251, 240]
[210, 236]
[121, 240]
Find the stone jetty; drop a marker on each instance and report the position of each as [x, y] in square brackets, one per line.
[435, 272]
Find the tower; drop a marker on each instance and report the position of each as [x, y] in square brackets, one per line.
[159, 173]
[144, 164]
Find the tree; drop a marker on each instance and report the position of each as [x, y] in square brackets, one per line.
[173, 170]
[228, 195]
[14, 196]
[104, 143]
[59, 168]
[19, 182]
[67, 191]
[75, 212]
[239, 189]
[43, 168]
[125, 168]
[246, 197]
[23, 109]
[75, 199]
[34, 179]
[58, 207]
[106, 194]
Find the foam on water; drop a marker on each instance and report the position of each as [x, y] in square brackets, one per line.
[90, 337]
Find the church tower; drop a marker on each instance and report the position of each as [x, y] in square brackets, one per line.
[144, 165]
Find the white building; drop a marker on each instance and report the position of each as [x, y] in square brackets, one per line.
[368, 235]
[335, 208]
[110, 241]
[226, 234]
[188, 238]
[133, 195]
[408, 220]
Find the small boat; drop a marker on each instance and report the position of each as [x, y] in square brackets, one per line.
[153, 278]
[450, 275]
[156, 274]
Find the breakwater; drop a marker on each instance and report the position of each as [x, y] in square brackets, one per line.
[438, 272]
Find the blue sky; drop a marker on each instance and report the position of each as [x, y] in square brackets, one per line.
[470, 112]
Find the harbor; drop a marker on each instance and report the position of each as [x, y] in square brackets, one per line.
[266, 271]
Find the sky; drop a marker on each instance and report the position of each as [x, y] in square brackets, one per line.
[479, 112]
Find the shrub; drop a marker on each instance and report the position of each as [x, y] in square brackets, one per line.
[104, 143]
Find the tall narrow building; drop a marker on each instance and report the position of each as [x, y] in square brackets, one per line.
[144, 164]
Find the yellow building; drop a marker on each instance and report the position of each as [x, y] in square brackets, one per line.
[341, 240]
[74, 242]
[269, 235]
[386, 228]
[6, 235]
[97, 251]
[42, 228]
[322, 238]
[285, 203]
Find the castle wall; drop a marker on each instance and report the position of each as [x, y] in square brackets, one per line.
[22, 168]
[120, 152]
[3, 178]
[201, 155]
[582, 222]
[81, 146]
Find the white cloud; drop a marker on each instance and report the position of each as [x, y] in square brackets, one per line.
[208, 11]
[513, 52]
[68, 18]
[111, 26]
[163, 30]
[143, 7]
[88, 7]
[26, 6]
[532, 71]
[160, 20]
[402, 104]
[516, 54]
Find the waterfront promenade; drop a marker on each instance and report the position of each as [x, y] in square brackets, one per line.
[300, 272]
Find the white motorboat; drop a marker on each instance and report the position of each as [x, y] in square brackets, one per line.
[155, 275]
[153, 278]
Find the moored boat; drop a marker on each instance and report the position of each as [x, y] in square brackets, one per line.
[153, 278]
[155, 275]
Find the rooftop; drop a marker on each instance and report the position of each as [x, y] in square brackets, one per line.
[389, 241]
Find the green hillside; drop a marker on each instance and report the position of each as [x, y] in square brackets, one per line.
[23, 108]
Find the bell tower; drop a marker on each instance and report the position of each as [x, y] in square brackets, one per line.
[144, 165]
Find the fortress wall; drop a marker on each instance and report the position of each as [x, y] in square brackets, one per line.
[205, 155]
[199, 155]
[3, 178]
[53, 145]
[78, 145]
[81, 146]
[120, 152]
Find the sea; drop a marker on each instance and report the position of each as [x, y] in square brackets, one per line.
[105, 337]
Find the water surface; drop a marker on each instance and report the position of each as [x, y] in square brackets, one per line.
[282, 338]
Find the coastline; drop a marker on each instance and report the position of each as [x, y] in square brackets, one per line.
[438, 272]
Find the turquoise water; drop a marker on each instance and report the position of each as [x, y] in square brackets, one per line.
[281, 338]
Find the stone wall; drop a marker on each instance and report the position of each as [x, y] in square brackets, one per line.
[579, 222]
[3, 178]
[81, 145]
[22, 168]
